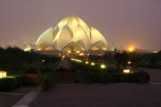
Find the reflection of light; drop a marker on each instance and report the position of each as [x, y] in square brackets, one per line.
[103, 66]
[86, 62]
[126, 71]
[76, 60]
[131, 48]
[3, 74]
[93, 64]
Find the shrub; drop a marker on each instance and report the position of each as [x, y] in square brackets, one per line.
[8, 84]
[31, 80]
[48, 80]
[31, 77]
[141, 77]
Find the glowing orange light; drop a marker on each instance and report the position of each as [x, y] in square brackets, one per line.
[131, 48]
[81, 54]
[48, 49]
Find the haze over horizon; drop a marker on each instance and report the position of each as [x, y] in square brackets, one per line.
[123, 22]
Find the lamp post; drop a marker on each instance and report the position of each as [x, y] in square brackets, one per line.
[3, 74]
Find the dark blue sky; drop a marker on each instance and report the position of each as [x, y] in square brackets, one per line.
[123, 22]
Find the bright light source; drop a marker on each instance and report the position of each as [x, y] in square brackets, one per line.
[104, 49]
[155, 52]
[69, 51]
[39, 49]
[93, 64]
[81, 54]
[77, 51]
[131, 48]
[103, 66]
[86, 62]
[76, 60]
[63, 57]
[81, 37]
[126, 71]
[28, 49]
[129, 62]
[94, 49]
[3, 74]
[43, 60]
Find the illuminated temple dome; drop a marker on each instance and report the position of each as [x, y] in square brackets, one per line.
[72, 33]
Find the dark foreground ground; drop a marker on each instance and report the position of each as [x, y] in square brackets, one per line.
[94, 95]
[8, 99]
[97, 95]
[104, 95]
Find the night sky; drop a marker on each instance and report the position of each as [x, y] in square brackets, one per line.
[123, 22]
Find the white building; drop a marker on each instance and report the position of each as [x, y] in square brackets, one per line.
[72, 34]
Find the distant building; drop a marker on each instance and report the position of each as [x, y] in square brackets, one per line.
[72, 35]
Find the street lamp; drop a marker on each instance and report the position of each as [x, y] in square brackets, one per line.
[103, 66]
[3, 74]
[93, 64]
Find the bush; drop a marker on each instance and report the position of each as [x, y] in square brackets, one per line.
[9, 84]
[93, 74]
[112, 77]
[48, 80]
[136, 77]
[31, 77]
[31, 80]
[141, 77]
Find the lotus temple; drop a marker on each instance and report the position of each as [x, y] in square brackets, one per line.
[72, 34]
